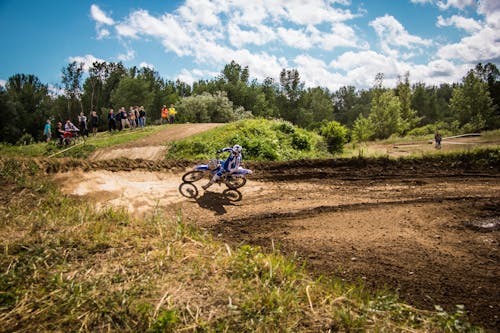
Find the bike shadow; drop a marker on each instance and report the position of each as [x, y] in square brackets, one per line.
[217, 202]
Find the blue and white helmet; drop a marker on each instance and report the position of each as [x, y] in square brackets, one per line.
[237, 149]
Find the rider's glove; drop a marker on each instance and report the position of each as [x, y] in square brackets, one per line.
[219, 151]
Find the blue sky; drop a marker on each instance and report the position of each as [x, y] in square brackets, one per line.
[332, 43]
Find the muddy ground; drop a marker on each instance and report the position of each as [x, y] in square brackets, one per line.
[427, 230]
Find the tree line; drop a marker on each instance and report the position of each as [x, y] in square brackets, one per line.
[374, 113]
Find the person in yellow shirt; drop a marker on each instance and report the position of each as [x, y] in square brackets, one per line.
[171, 114]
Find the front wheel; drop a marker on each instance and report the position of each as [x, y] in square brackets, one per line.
[192, 176]
[235, 182]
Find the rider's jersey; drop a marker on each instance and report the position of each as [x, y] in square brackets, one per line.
[232, 163]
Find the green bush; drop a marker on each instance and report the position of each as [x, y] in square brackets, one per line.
[300, 142]
[261, 139]
[335, 135]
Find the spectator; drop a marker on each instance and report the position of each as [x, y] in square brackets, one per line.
[82, 123]
[47, 130]
[171, 114]
[437, 139]
[142, 116]
[59, 133]
[94, 122]
[164, 114]
[111, 120]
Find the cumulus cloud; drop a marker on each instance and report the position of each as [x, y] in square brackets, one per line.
[146, 65]
[87, 60]
[328, 49]
[392, 35]
[130, 55]
[467, 24]
[460, 4]
[99, 16]
[483, 43]
[3, 83]
[101, 20]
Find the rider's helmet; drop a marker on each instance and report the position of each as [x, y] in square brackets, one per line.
[213, 164]
[237, 149]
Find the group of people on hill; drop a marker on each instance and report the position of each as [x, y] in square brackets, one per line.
[134, 118]
[168, 114]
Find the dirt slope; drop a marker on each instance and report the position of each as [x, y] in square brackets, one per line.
[153, 146]
[427, 230]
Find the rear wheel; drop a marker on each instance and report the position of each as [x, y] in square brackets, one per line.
[188, 190]
[192, 176]
[235, 182]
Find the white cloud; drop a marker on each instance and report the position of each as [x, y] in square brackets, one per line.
[130, 55]
[99, 16]
[491, 10]
[87, 60]
[194, 75]
[295, 38]
[460, 4]
[146, 65]
[3, 83]
[467, 24]
[480, 47]
[258, 36]
[314, 72]
[393, 35]
[102, 33]
[483, 45]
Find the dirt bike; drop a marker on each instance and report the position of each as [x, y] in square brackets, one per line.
[233, 180]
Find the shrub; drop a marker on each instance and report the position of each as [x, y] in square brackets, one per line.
[300, 142]
[335, 135]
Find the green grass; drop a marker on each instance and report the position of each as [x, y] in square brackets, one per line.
[101, 140]
[66, 266]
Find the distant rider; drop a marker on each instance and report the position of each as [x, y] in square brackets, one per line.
[231, 164]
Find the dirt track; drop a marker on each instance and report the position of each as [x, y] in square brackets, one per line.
[427, 230]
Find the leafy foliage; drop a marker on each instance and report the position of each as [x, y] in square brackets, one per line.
[335, 135]
[261, 140]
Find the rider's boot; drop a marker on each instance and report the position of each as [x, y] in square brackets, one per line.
[213, 180]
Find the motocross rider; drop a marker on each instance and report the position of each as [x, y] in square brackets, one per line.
[231, 164]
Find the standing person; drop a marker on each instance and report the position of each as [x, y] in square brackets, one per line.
[59, 133]
[118, 119]
[131, 117]
[231, 164]
[94, 122]
[82, 123]
[437, 139]
[136, 113]
[47, 130]
[171, 114]
[164, 114]
[142, 116]
[111, 120]
[124, 118]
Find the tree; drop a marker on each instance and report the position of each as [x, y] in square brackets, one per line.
[71, 79]
[471, 103]
[25, 107]
[131, 91]
[335, 135]
[206, 108]
[385, 115]
[409, 117]
[316, 107]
